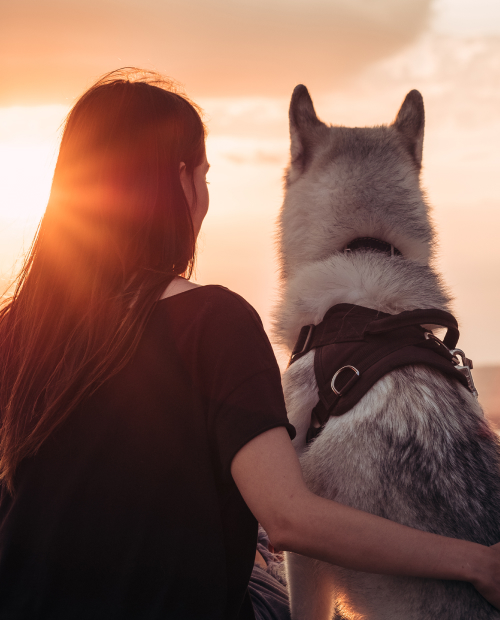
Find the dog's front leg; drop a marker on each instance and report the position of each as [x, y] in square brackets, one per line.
[311, 587]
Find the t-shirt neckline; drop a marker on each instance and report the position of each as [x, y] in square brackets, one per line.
[191, 290]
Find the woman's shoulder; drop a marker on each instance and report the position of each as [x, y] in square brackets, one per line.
[210, 300]
[217, 329]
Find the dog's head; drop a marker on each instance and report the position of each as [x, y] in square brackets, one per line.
[344, 183]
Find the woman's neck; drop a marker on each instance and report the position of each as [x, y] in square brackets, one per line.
[178, 285]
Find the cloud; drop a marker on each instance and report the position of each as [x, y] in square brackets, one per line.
[466, 17]
[50, 51]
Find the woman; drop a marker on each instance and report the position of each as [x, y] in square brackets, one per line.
[143, 426]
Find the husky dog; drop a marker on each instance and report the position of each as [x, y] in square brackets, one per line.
[416, 448]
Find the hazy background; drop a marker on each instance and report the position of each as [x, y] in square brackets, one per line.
[240, 59]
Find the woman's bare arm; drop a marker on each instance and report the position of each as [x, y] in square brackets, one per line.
[268, 475]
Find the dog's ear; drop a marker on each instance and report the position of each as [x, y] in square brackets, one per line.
[410, 124]
[303, 126]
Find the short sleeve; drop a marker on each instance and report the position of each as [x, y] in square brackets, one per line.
[243, 380]
[254, 407]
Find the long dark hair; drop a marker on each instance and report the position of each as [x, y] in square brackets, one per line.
[116, 230]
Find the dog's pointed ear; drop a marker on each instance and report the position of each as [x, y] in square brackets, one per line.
[410, 123]
[303, 123]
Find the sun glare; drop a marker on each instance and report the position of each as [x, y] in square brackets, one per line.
[26, 173]
[28, 149]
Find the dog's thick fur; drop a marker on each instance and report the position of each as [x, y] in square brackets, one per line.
[416, 448]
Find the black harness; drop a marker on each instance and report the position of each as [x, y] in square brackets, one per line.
[356, 346]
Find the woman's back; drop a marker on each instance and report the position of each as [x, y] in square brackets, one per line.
[127, 507]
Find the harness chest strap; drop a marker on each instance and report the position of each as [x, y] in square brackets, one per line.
[357, 346]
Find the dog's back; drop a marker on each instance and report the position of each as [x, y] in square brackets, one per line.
[416, 448]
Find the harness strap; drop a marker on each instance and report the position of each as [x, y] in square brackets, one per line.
[419, 317]
[356, 346]
[351, 323]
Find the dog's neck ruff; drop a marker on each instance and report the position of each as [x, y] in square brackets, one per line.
[370, 243]
[356, 346]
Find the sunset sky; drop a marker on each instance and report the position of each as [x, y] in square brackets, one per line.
[240, 59]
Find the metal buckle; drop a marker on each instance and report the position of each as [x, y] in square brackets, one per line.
[297, 354]
[334, 390]
[464, 365]
[307, 340]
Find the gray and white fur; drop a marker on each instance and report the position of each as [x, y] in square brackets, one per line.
[416, 449]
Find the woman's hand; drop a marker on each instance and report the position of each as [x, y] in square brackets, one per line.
[488, 583]
[268, 475]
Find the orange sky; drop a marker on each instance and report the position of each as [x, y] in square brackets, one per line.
[50, 51]
[241, 59]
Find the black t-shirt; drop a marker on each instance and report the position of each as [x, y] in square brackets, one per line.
[129, 510]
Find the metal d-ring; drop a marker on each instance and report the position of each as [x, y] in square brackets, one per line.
[335, 391]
